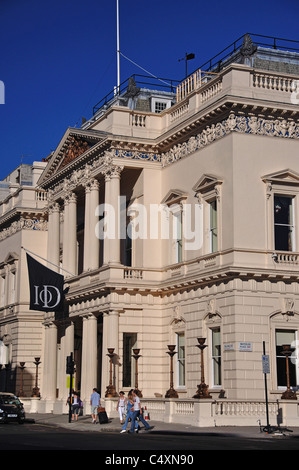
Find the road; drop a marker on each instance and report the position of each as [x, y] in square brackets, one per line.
[147, 446]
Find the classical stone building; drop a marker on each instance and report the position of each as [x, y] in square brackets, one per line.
[174, 216]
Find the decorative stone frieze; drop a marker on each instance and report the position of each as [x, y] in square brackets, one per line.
[23, 224]
[241, 123]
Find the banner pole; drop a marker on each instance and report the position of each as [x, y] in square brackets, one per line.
[47, 261]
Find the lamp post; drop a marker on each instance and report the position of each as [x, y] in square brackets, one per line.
[110, 391]
[136, 356]
[171, 393]
[202, 388]
[35, 391]
[21, 392]
[288, 394]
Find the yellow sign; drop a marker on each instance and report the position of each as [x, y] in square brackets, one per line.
[68, 382]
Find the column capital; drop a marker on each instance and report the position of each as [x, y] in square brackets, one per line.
[70, 197]
[91, 185]
[53, 207]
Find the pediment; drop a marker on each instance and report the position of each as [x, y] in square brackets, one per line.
[74, 144]
[174, 196]
[206, 183]
[282, 177]
[11, 257]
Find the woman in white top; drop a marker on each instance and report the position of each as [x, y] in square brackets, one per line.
[121, 406]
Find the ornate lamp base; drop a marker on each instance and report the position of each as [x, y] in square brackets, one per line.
[110, 392]
[202, 391]
[35, 392]
[171, 393]
[289, 395]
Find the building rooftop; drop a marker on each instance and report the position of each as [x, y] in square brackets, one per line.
[153, 94]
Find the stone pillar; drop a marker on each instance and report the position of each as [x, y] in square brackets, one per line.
[67, 346]
[91, 241]
[86, 251]
[70, 235]
[54, 237]
[112, 199]
[50, 362]
[89, 356]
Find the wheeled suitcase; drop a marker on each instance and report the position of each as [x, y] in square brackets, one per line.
[102, 415]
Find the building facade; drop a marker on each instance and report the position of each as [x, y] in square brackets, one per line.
[174, 217]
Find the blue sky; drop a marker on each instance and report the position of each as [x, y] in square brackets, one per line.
[58, 58]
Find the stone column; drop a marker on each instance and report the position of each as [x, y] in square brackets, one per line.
[67, 346]
[53, 254]
[70, 234]
[86, 251]
[112, 199]
[50, 362]
[89, 356]
[91, 241]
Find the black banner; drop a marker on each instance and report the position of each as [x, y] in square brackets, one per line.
[46, 287]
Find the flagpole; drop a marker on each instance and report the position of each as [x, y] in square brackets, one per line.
[47, 261]
[118, 51]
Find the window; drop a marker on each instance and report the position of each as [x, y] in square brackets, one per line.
[213, 226]
[284, 223]
[129, 342]
[285, 337]
[181, 359]
[159, 106]
[4, 353]
[128, 248]
[2, 291]
[216, 357]
[12, 287]
[177, 229]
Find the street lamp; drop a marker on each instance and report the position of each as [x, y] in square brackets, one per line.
[202, 388]
[35, 391]
[136, 356]
[171, 393]
[21, 392]
[110, 391]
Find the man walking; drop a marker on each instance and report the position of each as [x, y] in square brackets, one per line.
[137, 413]
[94, 403]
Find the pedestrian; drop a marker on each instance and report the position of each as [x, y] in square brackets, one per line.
[76, 405]
[95, 402]
[130, 410]
[137, 412]
[121, 406]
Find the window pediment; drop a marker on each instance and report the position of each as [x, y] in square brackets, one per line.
[206, 183]
[174, 196]
[282, 177]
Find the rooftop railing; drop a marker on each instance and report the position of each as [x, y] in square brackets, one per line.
[270, 42]
[144, 81]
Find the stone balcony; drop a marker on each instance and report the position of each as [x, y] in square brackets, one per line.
[22, 198]
[205, 270]
[204, 94]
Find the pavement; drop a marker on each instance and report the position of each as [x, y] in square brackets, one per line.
[84, 424]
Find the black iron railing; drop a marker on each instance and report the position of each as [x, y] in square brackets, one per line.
[144, 81]
[258, 39]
